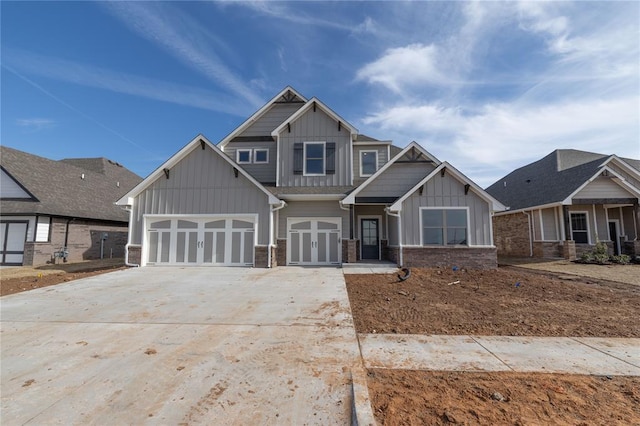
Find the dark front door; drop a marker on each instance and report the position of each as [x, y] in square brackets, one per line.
[369, 238]
[613, 236]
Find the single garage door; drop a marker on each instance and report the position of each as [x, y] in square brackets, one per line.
[12, 237]
[314, 241]
[215, 241]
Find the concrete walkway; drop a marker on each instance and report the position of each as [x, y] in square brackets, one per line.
[575, 355]
[183, 345]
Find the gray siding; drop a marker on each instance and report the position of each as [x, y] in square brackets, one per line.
[312, 209]
[603, 187]
[446, 192]
[264, 173]
[549, 224]
[315, 127]
[9, 188]
[382, 160]
[602, 232]
[397, 180]
[271, 119]
[371, 211]
[393, 230]
[202, 183]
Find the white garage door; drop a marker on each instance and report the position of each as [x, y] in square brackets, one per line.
[216, 241]
[12, 238]
[314, 241]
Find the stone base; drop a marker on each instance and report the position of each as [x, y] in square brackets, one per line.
[462, 257]
[631, 248]
[547, 249]
[261, 258]
[350, 250]
[281, 252]
[135, 254]
[391, 254]
[569, 250]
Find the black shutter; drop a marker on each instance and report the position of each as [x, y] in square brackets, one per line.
[298, 158]
[331, 158]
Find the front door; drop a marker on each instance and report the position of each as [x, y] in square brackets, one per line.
[369, 238]
[613, 236]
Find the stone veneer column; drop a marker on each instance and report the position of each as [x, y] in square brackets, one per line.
[569, 250]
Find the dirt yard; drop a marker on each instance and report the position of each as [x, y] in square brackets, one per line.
[19, 279]
[509, 301]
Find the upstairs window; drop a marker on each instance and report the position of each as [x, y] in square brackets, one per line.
[444, 227]
[579, 228]
[243, 156]
[368, 163]
[260, 156]
[314, 159]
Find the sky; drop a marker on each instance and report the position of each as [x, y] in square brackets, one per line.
[486, 86]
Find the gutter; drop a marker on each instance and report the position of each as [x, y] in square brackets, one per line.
[400, 259]
[271, 230]
[126, 247]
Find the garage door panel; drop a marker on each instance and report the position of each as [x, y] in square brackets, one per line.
[313, 241]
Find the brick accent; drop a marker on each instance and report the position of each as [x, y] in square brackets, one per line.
[463, 257]
[390, 254]
[511, 235]
[631, 248]
[260, 259]
[350, 250]
[547, 249]
[83, 242]
[135, 255]
[281, 252]
[569, 250]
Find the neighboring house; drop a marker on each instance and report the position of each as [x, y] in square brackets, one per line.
[296, 184]
[563, 204]
[61, 208]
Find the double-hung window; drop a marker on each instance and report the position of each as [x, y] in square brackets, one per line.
[368, 163]
[243, 156]
[579, 228]
[444, 227]
[314, 158]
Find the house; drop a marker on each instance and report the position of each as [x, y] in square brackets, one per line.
[296, 184]
[61, 210]
[563, 204]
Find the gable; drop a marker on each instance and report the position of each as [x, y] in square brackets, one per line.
[603, 187]
[11, 188]
[271, 119]
[395, 181]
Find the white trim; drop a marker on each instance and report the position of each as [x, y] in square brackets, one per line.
[361, 143]
[129, 198]
[255, 152]
[364, 151]
[278, 160]
[560, 213]
[297, 219]
[585, 212]
[623, 164]
[359, 221]
[555, 222]
[238, 151]
[444, 241]
[301, 111]
[350, 199]
[595, 223]
[527, 209]
[256, 115]
[622, 182]
[311, 197]
[621, 213]
[324, 158]
[541, 225]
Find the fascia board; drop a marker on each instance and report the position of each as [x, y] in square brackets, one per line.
[623, 181]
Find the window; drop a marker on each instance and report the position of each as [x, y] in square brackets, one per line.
[368, 163]
[579, 229]
[314, 158]
[260, 156]
[444, 226]
[243, 156]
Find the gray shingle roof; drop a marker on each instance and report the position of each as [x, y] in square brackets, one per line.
[549, 180]
[60, 189]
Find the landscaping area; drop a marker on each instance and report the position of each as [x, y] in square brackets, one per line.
[509, 301]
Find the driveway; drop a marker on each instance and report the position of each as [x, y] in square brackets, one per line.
[181, 346]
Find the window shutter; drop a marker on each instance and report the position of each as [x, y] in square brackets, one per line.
[331, 158]
[298, 159]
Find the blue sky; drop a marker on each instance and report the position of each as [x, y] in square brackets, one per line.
[486, 86]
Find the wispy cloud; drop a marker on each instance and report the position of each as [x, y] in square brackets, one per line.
[184, 38]
[35, 123]
[91, 76]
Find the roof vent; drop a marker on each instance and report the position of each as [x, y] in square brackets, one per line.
[82, 176]
[118, 184]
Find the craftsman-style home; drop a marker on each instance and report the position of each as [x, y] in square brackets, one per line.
[296, 184]
[563, 204]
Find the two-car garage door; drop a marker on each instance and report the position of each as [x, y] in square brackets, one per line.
[211, 240]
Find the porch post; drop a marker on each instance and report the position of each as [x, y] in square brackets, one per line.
[636, 219]
[567, 225]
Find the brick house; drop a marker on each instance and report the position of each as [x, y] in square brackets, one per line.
[63, 207]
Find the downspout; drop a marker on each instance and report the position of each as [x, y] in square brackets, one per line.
[348, 208]
[530, 236]
[65, 249]
[126, 247]
[400, 259]
[271, 230]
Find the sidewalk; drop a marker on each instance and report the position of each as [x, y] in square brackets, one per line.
[572, 355]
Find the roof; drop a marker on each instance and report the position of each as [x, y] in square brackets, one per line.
[80, 188]
[281, 191]
[200, 140]
[312, 103]
[551, 179]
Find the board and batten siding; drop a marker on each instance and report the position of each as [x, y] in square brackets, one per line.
[397, 180]
[201, 183]
[446, 192]
[271, 119]
[315, 126]
[382, 151]
[632, 179]
[603, 187]
[263, 173]
[312, 209]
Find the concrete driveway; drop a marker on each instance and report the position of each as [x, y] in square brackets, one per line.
[181, 346]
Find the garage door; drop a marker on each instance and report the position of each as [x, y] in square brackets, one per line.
[314, 241]
[12, 238]
[215, 241]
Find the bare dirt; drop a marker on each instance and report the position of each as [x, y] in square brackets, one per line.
[16, 280]
[509, 301]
